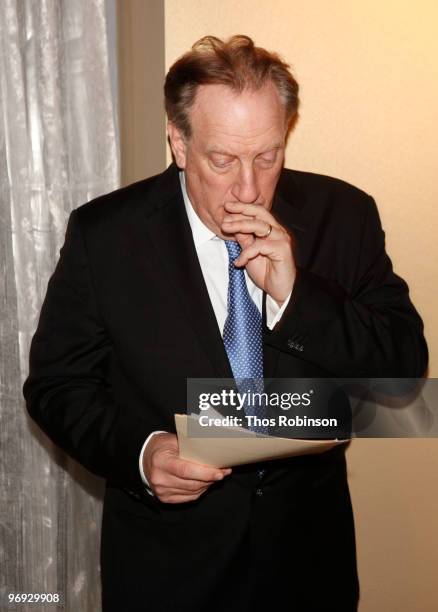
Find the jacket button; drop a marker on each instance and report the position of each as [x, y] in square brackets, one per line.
[295, 345]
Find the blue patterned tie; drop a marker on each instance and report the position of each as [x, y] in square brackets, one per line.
[243, 336]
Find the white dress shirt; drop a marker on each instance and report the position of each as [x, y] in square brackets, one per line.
[213, 259]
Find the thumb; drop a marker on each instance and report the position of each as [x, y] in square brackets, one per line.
[245, 240]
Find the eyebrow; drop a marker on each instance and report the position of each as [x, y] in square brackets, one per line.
[275, 147]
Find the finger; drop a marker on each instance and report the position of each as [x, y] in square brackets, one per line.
[160, 478]
[257, 227]
[178, 499]
[244, 240]
[252, 210]
[187, 470]
[161, 491]
[231, 209]
[170, 486]
[237, 217]
[273, 249]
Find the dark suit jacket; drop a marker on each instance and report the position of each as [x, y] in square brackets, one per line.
[127, 319]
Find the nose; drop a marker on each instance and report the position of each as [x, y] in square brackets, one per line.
[245, 188]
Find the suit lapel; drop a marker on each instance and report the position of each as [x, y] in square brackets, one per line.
[169, 231]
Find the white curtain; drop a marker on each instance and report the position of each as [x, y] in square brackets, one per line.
[58, 149]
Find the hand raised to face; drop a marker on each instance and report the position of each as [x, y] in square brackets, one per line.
[266, 248]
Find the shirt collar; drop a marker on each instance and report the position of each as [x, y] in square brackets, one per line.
[201, 233]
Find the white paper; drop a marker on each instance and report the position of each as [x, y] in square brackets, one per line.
[236, 446]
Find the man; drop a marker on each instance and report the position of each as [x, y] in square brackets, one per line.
[143, 298]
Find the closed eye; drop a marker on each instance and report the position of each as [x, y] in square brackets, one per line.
[269, 157]
[222, 161]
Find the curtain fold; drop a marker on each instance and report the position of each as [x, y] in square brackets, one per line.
[58, 149]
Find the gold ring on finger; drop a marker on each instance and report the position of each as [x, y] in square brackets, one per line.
[268, 233]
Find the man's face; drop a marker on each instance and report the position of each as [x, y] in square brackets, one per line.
[235, 152]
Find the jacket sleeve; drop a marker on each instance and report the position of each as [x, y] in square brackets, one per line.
[370, 329]
[67, 391]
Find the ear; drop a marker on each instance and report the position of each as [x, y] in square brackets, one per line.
[178, 145]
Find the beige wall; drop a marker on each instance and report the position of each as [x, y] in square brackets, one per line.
[369, 88]
[140, 32]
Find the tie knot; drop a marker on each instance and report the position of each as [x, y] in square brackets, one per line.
[233, 249]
